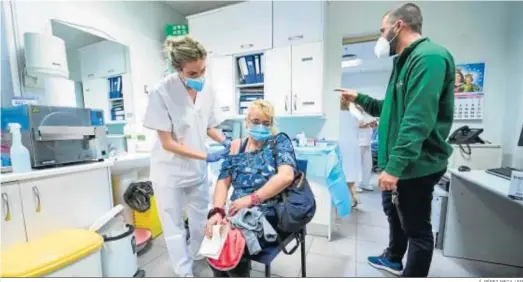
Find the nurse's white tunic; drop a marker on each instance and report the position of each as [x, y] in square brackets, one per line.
[178, 182]
[349, 145]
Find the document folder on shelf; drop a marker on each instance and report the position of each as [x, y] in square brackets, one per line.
[251, 76]
[258, 69]
[242, 65]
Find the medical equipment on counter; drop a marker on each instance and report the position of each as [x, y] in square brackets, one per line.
[65, 253]
[129, 132]
[57, 135]
[119, 250]
[302, 139]
[20, 159]
[45, 55]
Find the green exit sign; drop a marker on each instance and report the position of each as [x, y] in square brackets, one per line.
[176, 30]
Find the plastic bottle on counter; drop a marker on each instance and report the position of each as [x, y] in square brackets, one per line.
[20, 159]
[302, 139]
[130, 136]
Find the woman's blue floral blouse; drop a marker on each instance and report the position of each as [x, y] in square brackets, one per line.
[251, 170]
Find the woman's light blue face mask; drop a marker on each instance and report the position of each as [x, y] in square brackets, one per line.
[259, 132]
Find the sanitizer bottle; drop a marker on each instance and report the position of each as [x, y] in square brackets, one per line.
[20, 159]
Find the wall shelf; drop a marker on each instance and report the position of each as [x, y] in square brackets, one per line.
[250, 85]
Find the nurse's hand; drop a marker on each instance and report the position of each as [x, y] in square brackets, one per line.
[226, 143]
[241, 203]
[216, 156]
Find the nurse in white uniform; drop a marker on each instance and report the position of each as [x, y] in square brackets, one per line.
[182, 110]
[349, 146]
[367, 123]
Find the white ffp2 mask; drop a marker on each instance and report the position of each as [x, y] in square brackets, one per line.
[382, 48]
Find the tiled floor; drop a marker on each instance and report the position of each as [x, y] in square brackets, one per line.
[364, 233]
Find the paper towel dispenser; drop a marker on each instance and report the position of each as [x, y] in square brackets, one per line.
[45, 56]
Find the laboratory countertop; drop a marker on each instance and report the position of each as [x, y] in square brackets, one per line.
[117, 164]
[497, 185]
[46, 172]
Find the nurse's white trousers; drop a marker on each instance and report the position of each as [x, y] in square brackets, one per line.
[171, 201]
[366, 167]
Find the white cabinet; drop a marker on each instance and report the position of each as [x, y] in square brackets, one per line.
[112, 59]
[221, 74]
[278, 73]
[96, 95]
[294, 78]
[88, 62]
[297, 22]
[103, 59]
[307, 78]
[209, 30]
[13, 227]
[74, 200]
[235, 29]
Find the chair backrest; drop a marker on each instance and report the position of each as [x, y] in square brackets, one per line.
[302, 166]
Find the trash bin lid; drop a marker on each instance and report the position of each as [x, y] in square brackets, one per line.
[49, 253]
[106, 218]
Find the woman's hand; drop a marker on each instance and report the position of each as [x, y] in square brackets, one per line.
[214, 220]
[241, 203]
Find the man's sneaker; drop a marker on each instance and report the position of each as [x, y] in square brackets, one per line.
[382, 262]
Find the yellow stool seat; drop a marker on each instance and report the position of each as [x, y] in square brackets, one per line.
[49, 253]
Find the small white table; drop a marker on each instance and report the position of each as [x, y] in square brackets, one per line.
[482, 222]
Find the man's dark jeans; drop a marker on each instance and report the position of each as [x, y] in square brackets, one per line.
[411, 226]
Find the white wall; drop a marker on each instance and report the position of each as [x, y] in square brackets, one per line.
[478, 36]
[370, 83]
[6, 84]
[513, 118]
[136, 24]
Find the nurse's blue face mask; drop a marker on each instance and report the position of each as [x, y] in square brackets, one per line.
[195, 83]
[259, 131]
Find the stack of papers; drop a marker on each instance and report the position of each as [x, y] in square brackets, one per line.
[212, 247]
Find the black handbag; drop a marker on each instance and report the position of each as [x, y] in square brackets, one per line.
[298, 205]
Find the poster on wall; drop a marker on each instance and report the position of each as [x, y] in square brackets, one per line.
[468, 91]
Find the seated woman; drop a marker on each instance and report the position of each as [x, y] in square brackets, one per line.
[251, 170]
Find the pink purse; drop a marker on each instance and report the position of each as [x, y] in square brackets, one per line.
[232, 252]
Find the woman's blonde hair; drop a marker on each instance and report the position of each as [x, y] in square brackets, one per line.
[267, 109]
[183, 49]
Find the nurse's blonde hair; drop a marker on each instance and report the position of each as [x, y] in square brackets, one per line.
[267, 109]
[183, 49]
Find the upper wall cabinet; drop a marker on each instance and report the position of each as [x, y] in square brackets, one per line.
[103, 59]
[235, 29]
[297, 22]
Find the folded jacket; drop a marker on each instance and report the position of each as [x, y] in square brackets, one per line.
[254, 225]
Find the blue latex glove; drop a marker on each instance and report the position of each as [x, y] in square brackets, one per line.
[226, 143]
[216, 156]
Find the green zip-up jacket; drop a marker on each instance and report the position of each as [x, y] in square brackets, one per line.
[416, 115]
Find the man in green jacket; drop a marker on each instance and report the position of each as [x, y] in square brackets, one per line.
[415, 121]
